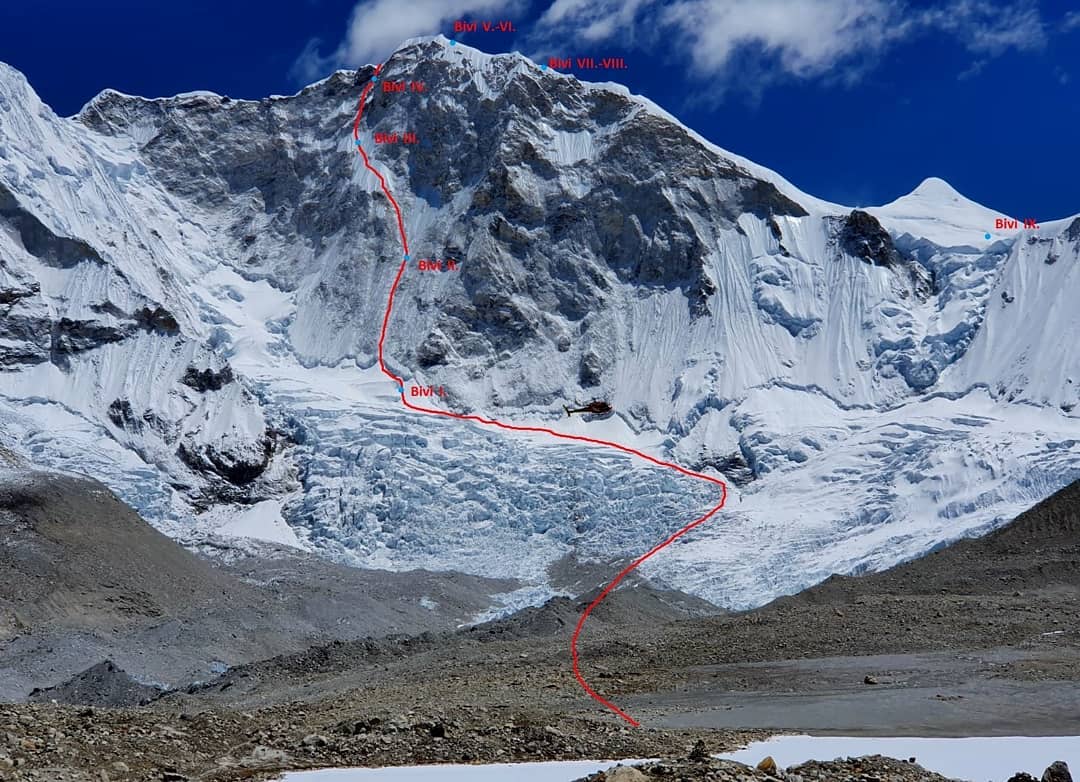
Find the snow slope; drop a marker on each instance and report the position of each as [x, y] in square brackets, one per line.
[191, 289]
[935, 211]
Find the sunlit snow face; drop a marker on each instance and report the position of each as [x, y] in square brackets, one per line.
[866, 420]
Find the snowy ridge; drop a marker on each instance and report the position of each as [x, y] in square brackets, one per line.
[191, 289]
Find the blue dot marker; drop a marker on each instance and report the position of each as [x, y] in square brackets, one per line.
[359, 143]
[406, 256]
[987, 236]
[543, 67]
[399, 389]
[453, 42]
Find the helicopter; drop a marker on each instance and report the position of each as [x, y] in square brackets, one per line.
[597, 407]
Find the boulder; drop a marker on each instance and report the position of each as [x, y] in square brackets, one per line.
[625, 774]
[1058, 771]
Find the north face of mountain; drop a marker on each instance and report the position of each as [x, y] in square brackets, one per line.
[192, 291]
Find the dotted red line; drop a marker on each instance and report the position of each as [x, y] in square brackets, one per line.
[538, 429]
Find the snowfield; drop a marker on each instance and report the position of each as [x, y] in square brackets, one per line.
[191, 290]
[976, 758]
[992, 759]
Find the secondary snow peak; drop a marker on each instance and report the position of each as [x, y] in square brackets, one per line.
[937, 188]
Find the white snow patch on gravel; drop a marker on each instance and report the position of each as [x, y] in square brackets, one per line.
[990, 759]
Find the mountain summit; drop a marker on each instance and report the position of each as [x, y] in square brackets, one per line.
[193, 290]
[936, 211]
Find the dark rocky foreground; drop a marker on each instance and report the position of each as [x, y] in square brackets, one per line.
[63, 744]
[1002, 610]
[864, 769]
[57, 743]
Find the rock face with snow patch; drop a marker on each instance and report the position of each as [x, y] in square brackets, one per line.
[94, 319]
[193, 288]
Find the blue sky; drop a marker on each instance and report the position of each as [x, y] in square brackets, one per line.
[855, 101]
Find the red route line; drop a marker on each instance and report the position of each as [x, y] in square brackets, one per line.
[372, 169]
[539, 429]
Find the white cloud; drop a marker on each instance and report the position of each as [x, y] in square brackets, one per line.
[807, 36]
[798, 38]
[377, 27]
[738, 41]
[988, 28]
[594, 21]
[1070, 21]
[311, 65]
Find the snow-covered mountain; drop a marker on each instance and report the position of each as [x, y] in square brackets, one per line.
[191, 290]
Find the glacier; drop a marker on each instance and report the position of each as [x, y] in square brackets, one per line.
[191, 290]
